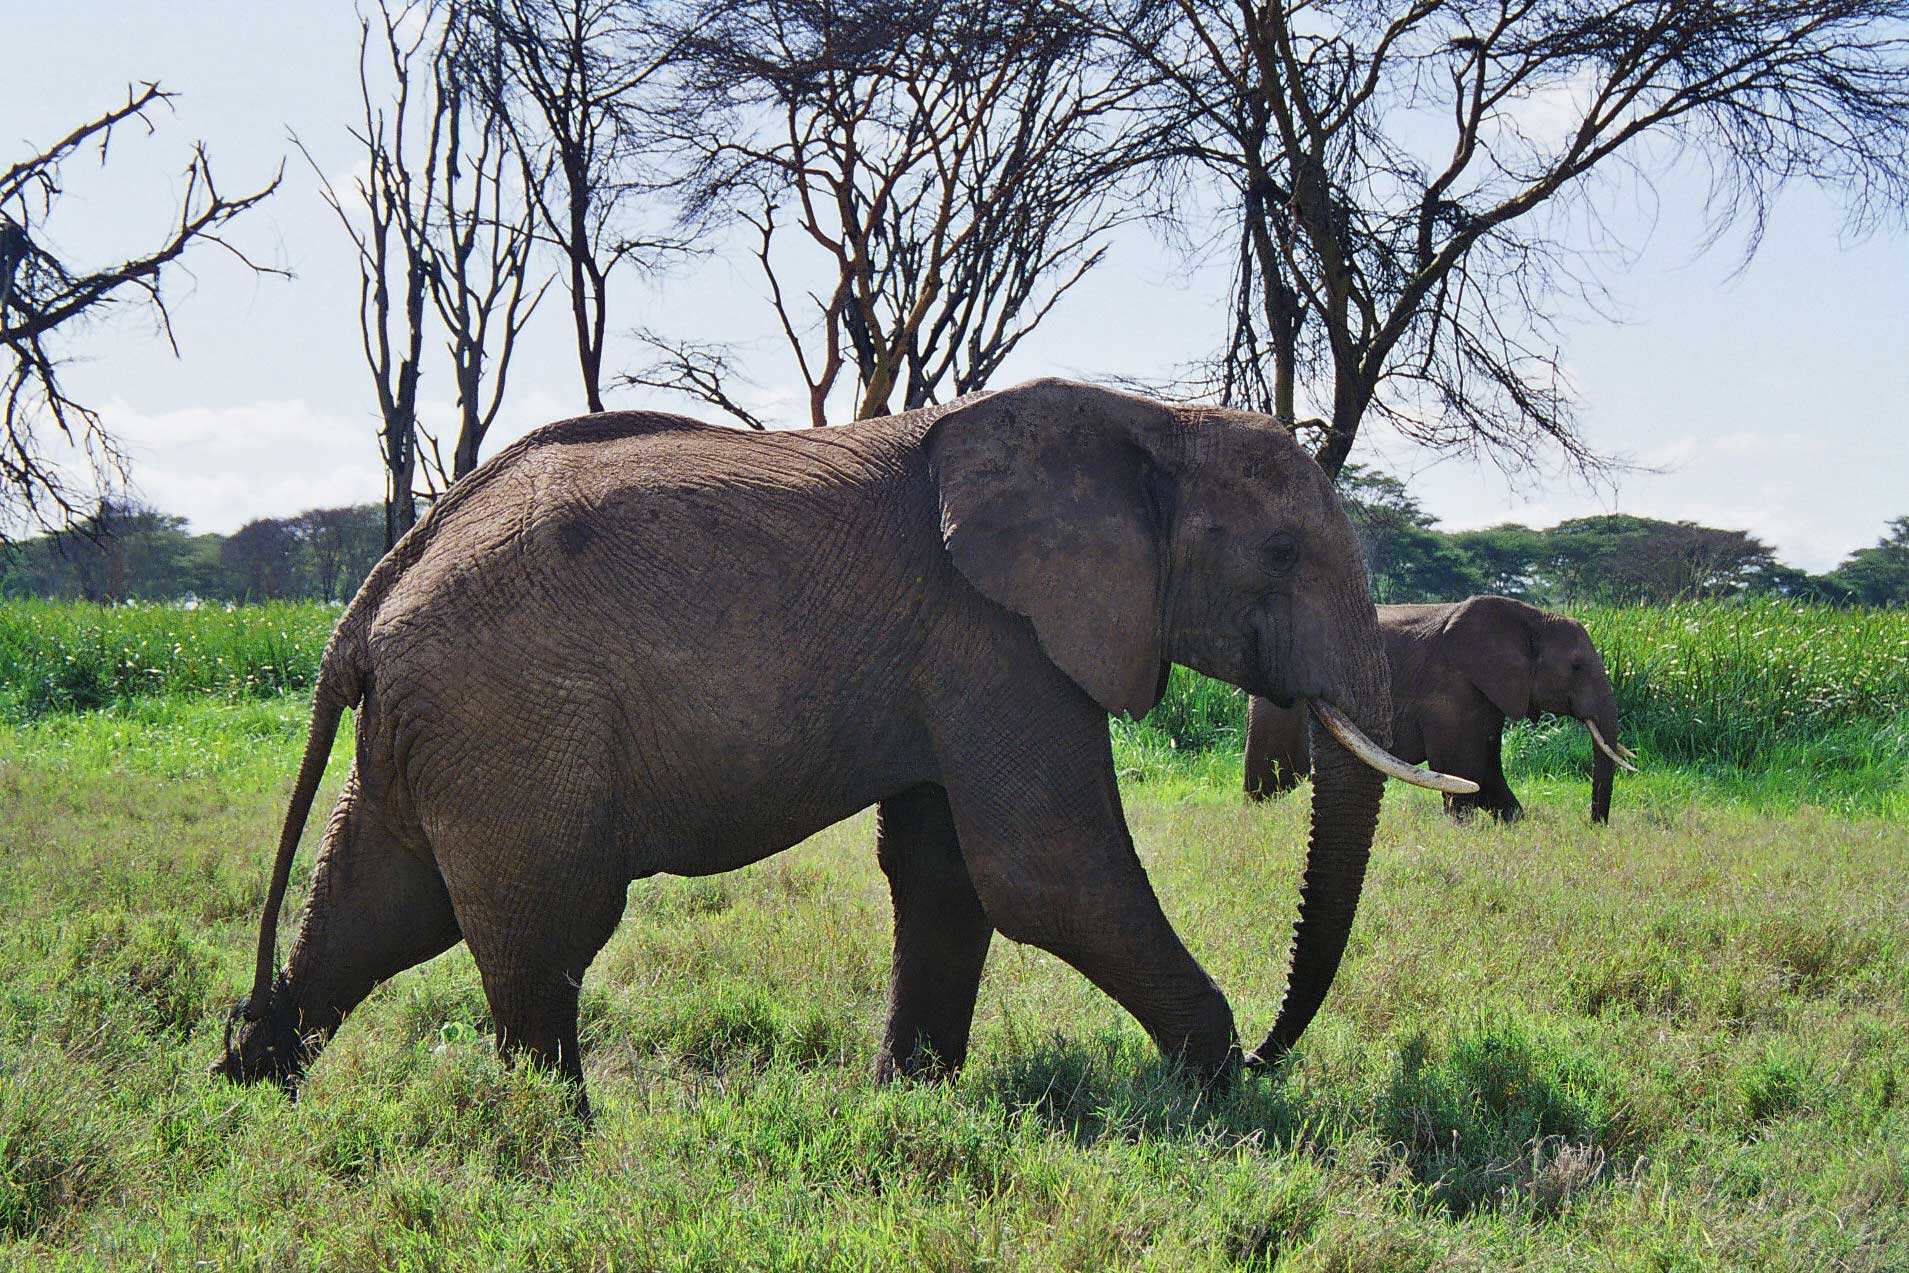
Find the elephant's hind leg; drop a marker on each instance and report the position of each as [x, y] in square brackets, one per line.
[941, 937]
[377, 906]
[534, 922]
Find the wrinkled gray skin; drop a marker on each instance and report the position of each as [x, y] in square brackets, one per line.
[634, 644]
[1460, 670]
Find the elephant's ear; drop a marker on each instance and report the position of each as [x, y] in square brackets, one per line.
[1055, 505]
[1494, 642]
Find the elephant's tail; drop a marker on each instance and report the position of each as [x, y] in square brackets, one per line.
[339, 687]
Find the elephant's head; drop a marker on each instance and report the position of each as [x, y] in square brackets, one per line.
[1527, 661]
[1134, 535]
[269, 1046]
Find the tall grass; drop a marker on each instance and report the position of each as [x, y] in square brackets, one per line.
[61, 656]
[1724, 689]
[1704, 683]
[1788, 702]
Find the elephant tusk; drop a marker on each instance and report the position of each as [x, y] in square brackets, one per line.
[1342, 728]
[1626, 752]
[1605, 747]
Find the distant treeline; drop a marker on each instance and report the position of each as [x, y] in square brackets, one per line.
[1615, 559]
[126, 552]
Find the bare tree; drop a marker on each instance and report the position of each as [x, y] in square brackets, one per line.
[43, 298]
[1419, 182]
[1224, 125]
[574, 76]
[479, 234]
[436, 216]
[950, 168]
[385, 218]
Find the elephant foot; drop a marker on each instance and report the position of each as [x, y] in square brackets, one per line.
[1222, 1075]
[923, 1065]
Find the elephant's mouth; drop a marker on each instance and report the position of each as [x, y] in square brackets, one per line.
[268, 1046]
[1377, 758]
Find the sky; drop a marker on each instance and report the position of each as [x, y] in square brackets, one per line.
[1772, 399]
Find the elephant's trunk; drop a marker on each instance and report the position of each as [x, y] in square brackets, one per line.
[1603, 764]
[1345, 812]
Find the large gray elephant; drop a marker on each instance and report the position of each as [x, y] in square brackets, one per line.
[1460, 670]
[633, 644]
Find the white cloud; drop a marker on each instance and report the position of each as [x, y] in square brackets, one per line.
[1550, 113]
[1743, 444]
[220, 467]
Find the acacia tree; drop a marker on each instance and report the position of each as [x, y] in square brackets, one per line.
[1419, 182]
[573, 89]
[436, 216]
[44, 298]
[479, 233]
[1219, 126]
[262, 559]
[327, 534]
[384, 216]
[947, 169]
[1879, 575]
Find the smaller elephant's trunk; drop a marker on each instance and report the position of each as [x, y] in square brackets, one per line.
[1602, 772]
[1604, 759]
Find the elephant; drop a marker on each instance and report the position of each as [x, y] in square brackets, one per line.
[633, 644]
[1460, 670]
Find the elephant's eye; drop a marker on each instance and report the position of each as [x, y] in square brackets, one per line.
[1281, 552]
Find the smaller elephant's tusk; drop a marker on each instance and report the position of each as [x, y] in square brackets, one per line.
[1605, 747]
[1342, 728]
[1626, 752]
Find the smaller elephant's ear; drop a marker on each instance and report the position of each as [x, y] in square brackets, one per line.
[1494, 642]
[1054, 505]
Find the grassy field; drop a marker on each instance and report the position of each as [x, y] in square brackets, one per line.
[1680, 1042]
[58, 656]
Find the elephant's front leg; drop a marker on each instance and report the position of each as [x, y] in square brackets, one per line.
[1047, 847]
[1477, 753]
[941, 937]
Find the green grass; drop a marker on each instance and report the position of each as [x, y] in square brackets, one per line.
[1769, 704]
[1681, 1042]
[1733, 684]
[65, 656]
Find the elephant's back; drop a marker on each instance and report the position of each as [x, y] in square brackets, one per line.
[575, 505]
[606, 557]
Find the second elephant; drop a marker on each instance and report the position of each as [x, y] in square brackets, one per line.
[1460, 670]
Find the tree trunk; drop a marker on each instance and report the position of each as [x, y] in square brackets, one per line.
[400, 508]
